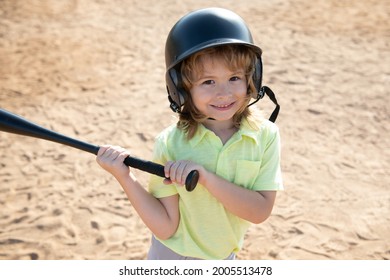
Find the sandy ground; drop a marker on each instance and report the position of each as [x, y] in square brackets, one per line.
[94, 70]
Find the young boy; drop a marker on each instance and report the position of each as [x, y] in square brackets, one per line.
[213, 71]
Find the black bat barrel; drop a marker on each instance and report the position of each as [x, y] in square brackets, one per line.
[15, 124]
[12, 123]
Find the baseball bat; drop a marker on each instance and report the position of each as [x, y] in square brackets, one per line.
[13, 123]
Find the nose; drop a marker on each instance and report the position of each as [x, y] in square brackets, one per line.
[223, 90]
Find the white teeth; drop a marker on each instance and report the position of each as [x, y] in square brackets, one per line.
[222, 106]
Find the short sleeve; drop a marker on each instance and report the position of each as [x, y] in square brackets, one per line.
[270, 175]
[156, 186]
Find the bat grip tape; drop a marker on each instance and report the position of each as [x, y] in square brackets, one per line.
[157, 169]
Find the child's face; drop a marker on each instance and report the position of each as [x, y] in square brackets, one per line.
[219, 92]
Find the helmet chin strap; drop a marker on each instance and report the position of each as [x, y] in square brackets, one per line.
[266, 90]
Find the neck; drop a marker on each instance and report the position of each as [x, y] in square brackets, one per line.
[223, 129]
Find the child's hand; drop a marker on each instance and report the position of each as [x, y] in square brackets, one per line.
[177, 171]
[111, 159]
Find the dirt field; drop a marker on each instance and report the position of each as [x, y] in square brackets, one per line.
[94, 70]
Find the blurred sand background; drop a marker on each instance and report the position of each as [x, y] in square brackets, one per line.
[94, 70]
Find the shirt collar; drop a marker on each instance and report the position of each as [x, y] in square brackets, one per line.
[248, 128]
[199, 135]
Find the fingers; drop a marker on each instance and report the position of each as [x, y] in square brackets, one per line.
[112, 152]
[111, 158]
[177, 171]
[102, 149]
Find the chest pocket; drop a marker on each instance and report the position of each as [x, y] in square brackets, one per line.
[247, 173]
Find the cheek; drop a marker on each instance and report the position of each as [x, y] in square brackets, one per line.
[198, 98]
[243, 91]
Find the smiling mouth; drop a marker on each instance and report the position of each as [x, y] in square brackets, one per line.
[224, 106]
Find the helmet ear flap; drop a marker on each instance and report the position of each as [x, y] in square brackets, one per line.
[176, 94]
[257, 77]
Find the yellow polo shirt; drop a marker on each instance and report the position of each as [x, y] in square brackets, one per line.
[250, 158]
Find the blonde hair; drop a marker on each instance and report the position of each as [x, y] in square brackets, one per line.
[235, 57]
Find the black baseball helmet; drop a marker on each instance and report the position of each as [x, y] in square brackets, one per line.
[199, 30]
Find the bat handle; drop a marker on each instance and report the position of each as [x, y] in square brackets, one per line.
[157, 169]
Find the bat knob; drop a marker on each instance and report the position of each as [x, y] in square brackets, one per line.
[192, 180]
